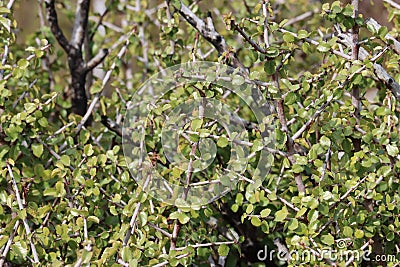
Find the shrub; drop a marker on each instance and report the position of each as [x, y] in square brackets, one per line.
[69, 195]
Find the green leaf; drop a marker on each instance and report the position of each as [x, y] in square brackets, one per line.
[235, 207]
[65, 160]
[30, 107]
[237, 80]
[328, 239]
[272, 52]
[20, 248]
[255, 221]
[88, 150]
[293, 224]
[306, 47]
[302, 34]
[392, 150]
[4, 10]
[348, 231]
[96, 88]
[6, 23]
[323, 47]
[297, 168]
[348, 10]
[182, 217]
[281, 215]
[222, 141]
[143, 218]
[265, 212]
[283, 22]
[269, 67]
[50, 192]
[325, 141]
[290, 98]
[301, 212]
[37, 150]
[113, 211]
[43, 122]
[288, 38]
[196, 124]
[346, 144]
[312, 215]
[249, 208]
[223, 250]
[126, 254]
[382, 32]
[257, 145]
[23, 63]
[177, 4]
[359, 233]
[93, 219]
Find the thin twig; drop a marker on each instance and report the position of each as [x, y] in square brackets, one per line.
[189, 173]
[354, 54]
[350, 261]
[281, 199]
[255, 45]
[6, 248]
[208, 245]
[311, 41]
[388, 38]
[164, 263]
[325, 166]
[345, 195]
[300, 17]
[265, 14]
[137, 209]
[25, 221]
[290, 141]
[392, 3]
[210, 34]
[312, 119]
[100, 20]
[168, 235]
[380, 71]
